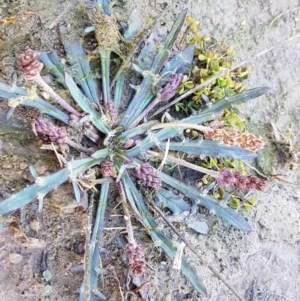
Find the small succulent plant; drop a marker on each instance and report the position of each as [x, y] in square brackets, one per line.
[124, 143]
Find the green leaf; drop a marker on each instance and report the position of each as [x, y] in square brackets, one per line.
[80, 67]
[47, 290]
[47, 275]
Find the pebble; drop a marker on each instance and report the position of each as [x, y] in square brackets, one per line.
[15, 258]
[296, 194]
[23, 165]
[35, 225]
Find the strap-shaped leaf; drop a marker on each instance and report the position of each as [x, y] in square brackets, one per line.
[211, 148]
[52, 63]
[81, 68]
[119, 90]
[85, 104]
[9, 92]
[174, 202]
[166, 244]
[229, 101]
[179, 63]
[44, 185]
[134, 25]
[90, 281]
[153, 139]
[140, 129]
[143, 95]
[225, 212]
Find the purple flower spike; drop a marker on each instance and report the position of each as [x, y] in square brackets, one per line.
[55, 133]
[169, 90]
[237, 180]
[146, 173]
[108, 169]
[136, 259]
[111, 112]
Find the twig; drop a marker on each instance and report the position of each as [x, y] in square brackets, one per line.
[163, 161]
[126, 214]
[200, 128]
[212, 269]
[87, 258]
[68, 6]
[213, 173]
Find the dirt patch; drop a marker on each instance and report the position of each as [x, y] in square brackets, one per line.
[262, 265]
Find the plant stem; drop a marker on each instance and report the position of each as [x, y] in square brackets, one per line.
[79, 147]
[39, 80]
[145, 112]
[126, 214]
[212, 173]
[105, 63]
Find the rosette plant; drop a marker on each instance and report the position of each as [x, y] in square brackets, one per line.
[118, 136]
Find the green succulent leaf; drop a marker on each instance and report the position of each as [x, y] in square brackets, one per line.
[90, 281]
[52, 63]
[11, 92]
[44, 185]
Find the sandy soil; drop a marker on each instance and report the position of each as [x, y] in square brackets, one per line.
[263, 265]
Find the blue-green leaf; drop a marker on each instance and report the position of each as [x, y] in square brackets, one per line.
[85, 104]
[211, 148]
[228, 102]
[223, 211]
[80, 67]
[166, 244]
[174, 202]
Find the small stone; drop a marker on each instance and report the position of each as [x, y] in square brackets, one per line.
[15, 258]
[296, 194]
[23, 165]
[35, 225]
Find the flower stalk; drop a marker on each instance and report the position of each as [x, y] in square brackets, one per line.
[31, 67]
[134, 252]
[224, 177]
[165, 93]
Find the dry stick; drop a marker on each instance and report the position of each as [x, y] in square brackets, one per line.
[213, 270]
[87, 256]
[214, 174]
[78, 146]
[126, 214]
[216, 76]
[201, 128]
[163, 161]
[57, 19]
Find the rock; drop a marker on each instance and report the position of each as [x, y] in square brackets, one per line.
[35, 225]
[23, 165]
[15, 258]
